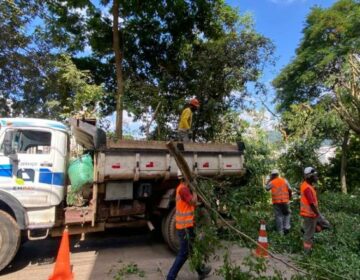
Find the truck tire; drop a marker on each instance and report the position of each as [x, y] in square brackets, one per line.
[163, 229]
[9, 239]
[169, 231]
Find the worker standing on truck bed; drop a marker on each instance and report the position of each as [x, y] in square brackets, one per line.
[281, 195]
[185, 210]
[184, 128]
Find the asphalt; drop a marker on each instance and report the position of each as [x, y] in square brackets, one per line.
[104, 255]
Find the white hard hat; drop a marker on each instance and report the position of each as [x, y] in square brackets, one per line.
[275, 172]
[309, 171]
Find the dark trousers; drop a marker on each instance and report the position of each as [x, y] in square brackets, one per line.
[186, 237]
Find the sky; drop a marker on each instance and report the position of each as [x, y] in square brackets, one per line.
[282, 21]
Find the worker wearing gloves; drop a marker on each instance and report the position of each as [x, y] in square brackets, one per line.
[309, 209]
[184, 127]
[281, 195]
[185, 210]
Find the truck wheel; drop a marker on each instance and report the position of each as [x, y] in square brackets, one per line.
[163, 229]
[9, 239]
[169, 231]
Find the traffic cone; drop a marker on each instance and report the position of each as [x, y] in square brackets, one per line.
[62, 269]
[262, 242]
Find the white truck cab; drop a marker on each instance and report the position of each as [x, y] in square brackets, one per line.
[33, 159]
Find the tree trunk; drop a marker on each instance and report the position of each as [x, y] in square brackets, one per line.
[344, 148]
[119, 74]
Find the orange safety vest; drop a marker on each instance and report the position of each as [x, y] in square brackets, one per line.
[279, 191]
[184, 211]
[305, 209]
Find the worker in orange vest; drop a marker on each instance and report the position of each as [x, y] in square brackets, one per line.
[185, 123]
[309, 209]
[186, 201]
[281, 195]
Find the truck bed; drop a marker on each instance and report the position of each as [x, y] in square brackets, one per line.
[135, 160]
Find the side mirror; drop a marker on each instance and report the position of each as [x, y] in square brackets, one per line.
[7, 144]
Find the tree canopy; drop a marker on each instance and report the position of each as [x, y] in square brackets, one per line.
[329, 36]
[321, 84]
[19, 53]
[173, 50]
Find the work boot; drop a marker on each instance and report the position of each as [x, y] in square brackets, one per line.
[204, 272]
[286, 231]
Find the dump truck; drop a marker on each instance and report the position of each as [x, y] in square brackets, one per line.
[134, 182]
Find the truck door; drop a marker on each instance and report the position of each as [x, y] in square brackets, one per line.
[29, 157]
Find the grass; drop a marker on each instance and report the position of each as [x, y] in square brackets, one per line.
[128, 269]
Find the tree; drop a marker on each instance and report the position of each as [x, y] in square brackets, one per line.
[73, 91]
[119, 71]
[347, 91]
[171, 52]
[20, 55]
[63, 91]
[329, 36]
[307, 128]
[352, 165]
[321, 63]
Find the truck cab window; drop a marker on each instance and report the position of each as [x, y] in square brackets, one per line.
[27, 141]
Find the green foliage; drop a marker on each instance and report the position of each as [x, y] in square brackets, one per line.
[353, 167]
[254, 267]
[336, 252]
[260, 153]
[205, 230]
[75, 89]
[338, 248]
[230, 128]
[21, 55]
[129, 269]
[171, 53]
[347, 91]
[307, 128]
[328, 37]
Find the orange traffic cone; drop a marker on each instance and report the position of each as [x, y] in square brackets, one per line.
[262, 242]
[62, 269]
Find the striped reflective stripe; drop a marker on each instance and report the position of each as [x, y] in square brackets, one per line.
[185, 222]
[262, 239]
[184, 214]
[262, 227]
[280, 193]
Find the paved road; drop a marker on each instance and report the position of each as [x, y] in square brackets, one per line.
[102, 255]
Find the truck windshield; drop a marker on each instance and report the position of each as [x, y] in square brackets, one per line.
[28, 141]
